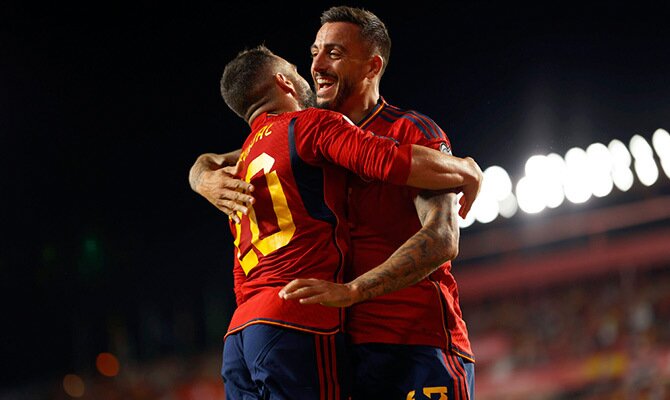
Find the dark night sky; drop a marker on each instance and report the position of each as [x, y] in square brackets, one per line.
[104, 108]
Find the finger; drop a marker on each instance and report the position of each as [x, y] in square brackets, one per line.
[236, 184]
[227, 194]
[230, 207]
[316, 299]
[466, 205]
[303, 293]
[294, 285]
[234, 217]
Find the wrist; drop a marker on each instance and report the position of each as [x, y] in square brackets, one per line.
[356, 292]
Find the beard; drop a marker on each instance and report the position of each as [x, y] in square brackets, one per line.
[344, 92]
[308, 98]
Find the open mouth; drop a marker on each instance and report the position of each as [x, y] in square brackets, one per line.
[323, 84]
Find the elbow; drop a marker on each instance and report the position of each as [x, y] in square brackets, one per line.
[450, 251]
[449, 245]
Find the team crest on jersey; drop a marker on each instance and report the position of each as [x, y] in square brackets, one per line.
[444, 148]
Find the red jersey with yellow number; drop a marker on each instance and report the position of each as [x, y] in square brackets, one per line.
[381, 218]
[298, 163]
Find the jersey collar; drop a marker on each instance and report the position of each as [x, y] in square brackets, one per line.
[381, 104]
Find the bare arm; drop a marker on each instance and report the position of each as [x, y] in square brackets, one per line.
[432, 169]
[435, 243]
[212, 176]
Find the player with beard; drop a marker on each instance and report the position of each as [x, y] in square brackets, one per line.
[295, 157]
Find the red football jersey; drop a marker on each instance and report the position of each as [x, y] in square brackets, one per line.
[295, 229]
[381, 218]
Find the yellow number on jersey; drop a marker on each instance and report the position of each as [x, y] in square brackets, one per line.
[429, 391]
[277, 240]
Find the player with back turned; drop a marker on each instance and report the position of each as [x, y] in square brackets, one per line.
[295, 158]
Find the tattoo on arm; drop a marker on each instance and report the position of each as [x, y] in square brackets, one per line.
[435, 243]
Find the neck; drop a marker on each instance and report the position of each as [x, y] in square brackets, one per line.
[271, 106]
[359, 106]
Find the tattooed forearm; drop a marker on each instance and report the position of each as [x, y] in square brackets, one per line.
[412, 262]
[435, 243]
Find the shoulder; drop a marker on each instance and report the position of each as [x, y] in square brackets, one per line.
[321, 120]
[415, 124]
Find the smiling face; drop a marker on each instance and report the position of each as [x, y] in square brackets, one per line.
[340, 62]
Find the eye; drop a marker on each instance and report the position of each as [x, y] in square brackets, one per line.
[334, 54]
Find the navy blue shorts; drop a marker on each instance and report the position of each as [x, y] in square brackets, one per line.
[273, 363]
[408, 372]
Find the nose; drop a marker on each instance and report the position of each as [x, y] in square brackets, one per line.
[319, 62]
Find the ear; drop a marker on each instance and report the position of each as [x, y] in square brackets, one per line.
[375, 64]
[285, 84]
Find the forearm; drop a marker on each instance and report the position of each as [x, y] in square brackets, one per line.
[210, 162]
[413, 261]
[435, 243]
[431, 169]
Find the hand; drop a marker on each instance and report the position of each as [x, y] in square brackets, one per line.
[225, 192]
[471, 189]
[317, 291]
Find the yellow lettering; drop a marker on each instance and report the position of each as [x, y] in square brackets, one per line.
[263, 132]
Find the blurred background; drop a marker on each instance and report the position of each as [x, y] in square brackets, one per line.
[116, 277]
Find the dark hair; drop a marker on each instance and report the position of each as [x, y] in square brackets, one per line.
[244, 81]
[373, 30]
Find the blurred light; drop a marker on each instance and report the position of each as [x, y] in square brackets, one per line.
[640, 148]
[508, 206]
[621, 160]
[645, 166]
[576, 185]
[646, 170]
[529, 198]
[535, 166]
[73, 385]
[550, 179]
[556, 172]
[665, 163]
[498, 181]
[620, 155]
[623, 178]
[661, 141]
[600, 169]
[107, 364]
[487, 209]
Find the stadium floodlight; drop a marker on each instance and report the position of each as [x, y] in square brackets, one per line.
[550, 179]
[645, 166]
[529, 197]
[661, 142]
[556, 171]
[621, 160]
[508, 206]
[599, 171]
[498, 181]
[576, 184]
[646, 170]
[640, 148]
